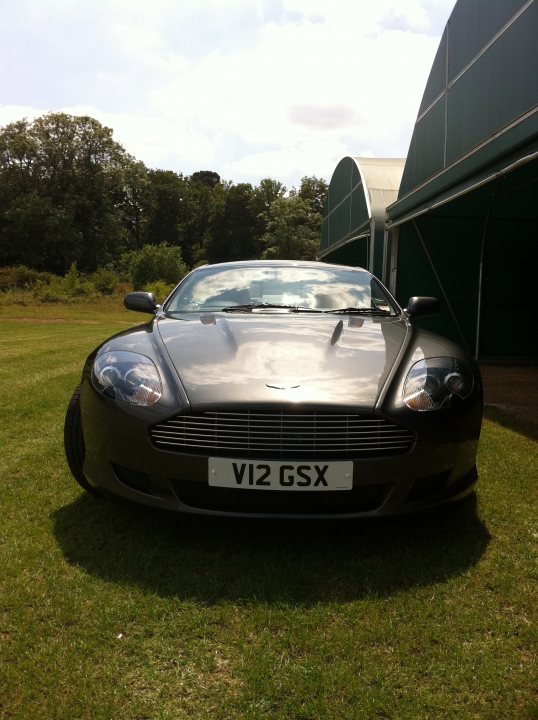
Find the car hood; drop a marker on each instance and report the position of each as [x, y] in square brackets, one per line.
[281, 357]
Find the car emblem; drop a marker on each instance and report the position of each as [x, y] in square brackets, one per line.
[282, 387]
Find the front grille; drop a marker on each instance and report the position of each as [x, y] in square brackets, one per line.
[282, 435]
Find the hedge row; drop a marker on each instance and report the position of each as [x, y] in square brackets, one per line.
[156, 268]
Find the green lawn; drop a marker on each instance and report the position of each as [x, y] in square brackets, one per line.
[112, 612]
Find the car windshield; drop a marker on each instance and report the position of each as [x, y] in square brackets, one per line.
[270, 288]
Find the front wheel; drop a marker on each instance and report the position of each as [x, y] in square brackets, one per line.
[74, 442]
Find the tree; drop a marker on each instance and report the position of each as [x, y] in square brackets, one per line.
[267, 192]
[197, 209]
[69, 193]
[167, 210]
[234, 231]
[206, 177]
[137, 203]
[37, 233]
[314, 190]
[65, 187]
[293, 230]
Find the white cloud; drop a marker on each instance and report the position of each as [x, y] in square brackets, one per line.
[249, 88]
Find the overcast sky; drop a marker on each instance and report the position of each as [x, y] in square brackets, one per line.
[247, 88]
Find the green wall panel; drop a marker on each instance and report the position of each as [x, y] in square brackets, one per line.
[355, 175]
[453, 244]
[472, 25]
[416, 277]
[478, 107]
[346, 209]
[358, 211]
[452, 238]
[426, 152]
[509, 294]
[437, 80]
[354, 254]
[487, 111]
[488, 119]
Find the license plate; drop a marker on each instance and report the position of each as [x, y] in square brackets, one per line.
[280, 475]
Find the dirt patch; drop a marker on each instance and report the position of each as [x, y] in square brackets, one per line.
[513, 390]
[36, 321]
[51, 321]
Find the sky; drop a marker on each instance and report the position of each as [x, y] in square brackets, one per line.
[246, 88]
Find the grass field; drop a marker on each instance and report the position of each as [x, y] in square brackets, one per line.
[111, 612]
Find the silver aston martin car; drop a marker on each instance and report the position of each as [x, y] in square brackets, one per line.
[278, 389]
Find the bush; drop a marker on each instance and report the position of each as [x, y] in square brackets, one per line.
[21, 277]
[160, 289]
[22, 285]
[105, 280]
[71, 286]
[76, 285]
[52, 293]
[122, 288]
[152, 263]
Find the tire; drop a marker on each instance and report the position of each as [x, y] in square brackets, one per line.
[74, 442]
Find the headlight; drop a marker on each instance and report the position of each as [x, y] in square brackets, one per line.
[434, 383]
[127, 376]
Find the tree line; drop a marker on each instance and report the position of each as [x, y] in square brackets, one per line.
[70, 194]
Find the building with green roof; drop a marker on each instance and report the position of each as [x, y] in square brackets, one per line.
[464, 225]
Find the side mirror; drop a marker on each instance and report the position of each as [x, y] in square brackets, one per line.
[140, 302]
[422, 305]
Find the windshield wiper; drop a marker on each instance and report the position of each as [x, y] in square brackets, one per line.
[267, 306]
[359, 310]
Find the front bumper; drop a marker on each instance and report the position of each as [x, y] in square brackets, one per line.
[121, 460]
